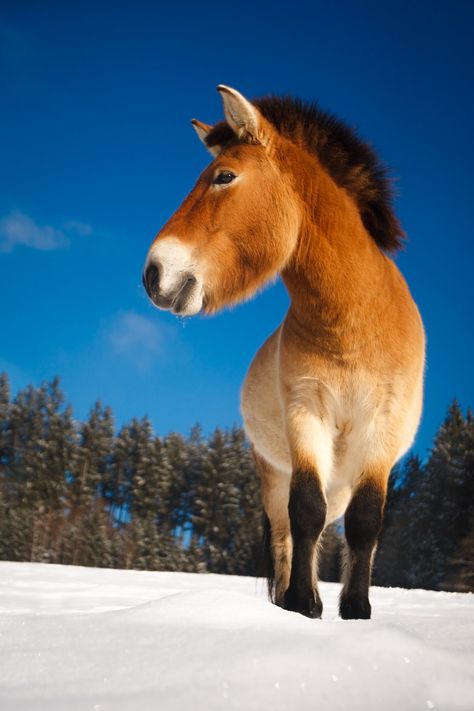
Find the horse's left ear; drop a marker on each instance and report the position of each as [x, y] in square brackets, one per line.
[203, 130]
[243, 117]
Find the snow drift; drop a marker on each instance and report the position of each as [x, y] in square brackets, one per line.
[92, 639]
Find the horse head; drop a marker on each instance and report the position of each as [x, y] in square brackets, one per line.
[238, 226]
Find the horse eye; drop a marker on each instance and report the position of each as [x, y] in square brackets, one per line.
[223, 178]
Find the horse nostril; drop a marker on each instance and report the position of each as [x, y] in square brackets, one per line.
[151, 278]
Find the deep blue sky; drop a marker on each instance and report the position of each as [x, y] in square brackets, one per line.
[96, 151]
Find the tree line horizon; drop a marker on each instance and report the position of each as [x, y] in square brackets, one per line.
[83, 493]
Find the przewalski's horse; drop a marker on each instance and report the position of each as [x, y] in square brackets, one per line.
[334, 396]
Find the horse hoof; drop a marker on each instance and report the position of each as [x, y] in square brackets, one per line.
[308, 605]
[355, 608]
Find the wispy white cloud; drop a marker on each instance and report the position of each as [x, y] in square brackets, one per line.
[18, 229]
[78, 228]
[137, 338]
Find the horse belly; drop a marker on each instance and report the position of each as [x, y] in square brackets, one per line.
[261, 406]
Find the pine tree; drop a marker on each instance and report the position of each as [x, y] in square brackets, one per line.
[210, 495]
[92, 457]
[40, 437]
[227, 506]
[429, 513]
[394, 563]
[459, 568]
[116, 488]
[5, 451]
[86, 515]
[182, 461]
[247, 508]
[442, 510]
[5, 456]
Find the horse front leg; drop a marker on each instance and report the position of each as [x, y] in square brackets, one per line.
[307, 509]
[363, 521]
[311, 450]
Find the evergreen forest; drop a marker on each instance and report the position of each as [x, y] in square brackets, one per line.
[83, 493]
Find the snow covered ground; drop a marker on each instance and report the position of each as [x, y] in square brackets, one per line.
[96, 640]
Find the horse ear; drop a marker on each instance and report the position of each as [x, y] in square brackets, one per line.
[244, 118]
[203, 130]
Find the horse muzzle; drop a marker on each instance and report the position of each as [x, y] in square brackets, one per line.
[183, 299]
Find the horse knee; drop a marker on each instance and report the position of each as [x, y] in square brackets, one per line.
[363, 518]
[307, 506]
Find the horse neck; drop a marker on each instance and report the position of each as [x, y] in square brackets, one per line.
[337, 274]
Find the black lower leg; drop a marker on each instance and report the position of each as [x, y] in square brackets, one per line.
[307, 510]
[363, 521]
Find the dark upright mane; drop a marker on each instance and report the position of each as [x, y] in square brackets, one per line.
[351, 162]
